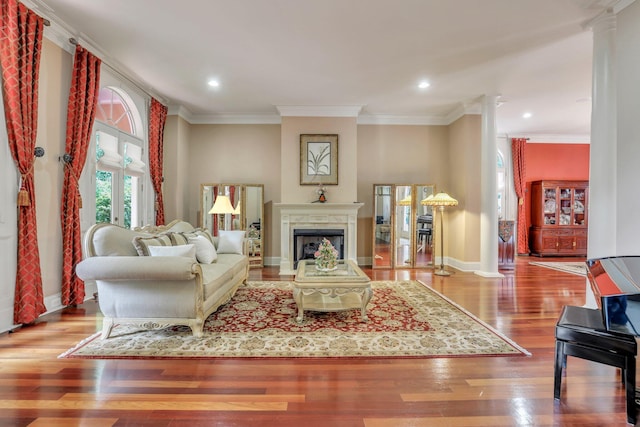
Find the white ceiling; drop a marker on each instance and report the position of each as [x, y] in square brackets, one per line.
[534, 54]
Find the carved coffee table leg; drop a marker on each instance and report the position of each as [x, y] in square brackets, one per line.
[297, 296]
[366, 297]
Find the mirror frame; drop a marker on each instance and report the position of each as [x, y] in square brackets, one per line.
[414, 244]
[256, 246]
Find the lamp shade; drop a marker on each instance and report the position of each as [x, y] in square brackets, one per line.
[236, 211]
[426, 201]
[221, 206]
[440, 199]
[406, 201]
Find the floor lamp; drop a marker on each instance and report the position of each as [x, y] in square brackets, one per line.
[221, 207]
[440, 200]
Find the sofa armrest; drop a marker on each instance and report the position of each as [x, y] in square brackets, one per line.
[137, 268]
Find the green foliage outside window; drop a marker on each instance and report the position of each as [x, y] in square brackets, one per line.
[104, 192]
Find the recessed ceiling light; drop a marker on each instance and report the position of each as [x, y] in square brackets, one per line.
[214, 83]
[424, 84]
[526, 115]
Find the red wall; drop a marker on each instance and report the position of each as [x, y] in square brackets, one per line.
[557, 162]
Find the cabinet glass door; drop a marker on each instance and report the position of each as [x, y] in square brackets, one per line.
[579, 200]
[550, 207]
[566, 197]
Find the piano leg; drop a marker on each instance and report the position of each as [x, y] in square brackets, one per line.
[560, 363]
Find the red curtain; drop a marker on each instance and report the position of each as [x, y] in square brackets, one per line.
[232, 199]
[157, 119]
[81, 111]
[20, 49]
[518, 146]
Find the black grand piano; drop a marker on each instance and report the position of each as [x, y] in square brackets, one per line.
[615, 282]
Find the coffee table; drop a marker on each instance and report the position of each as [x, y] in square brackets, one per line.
[345, 288]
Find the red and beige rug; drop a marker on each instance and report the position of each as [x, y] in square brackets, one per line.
[406, 319]
[577, 267]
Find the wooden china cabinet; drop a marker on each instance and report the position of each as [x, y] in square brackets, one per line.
[559, 218]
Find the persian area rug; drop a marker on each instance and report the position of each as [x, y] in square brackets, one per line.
[406, 319]
[578, 267]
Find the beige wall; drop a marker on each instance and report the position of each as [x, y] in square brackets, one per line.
[462, 230]
[396, 155]
[55, 80]
[235, 154]
[346, 129]
[176, 168]
[393, 154]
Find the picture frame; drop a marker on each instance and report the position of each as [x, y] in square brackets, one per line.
[318, 159]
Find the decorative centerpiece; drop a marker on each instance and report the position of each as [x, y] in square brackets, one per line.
[326, 256]
[322, 194]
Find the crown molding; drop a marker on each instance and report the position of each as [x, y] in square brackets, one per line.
[57, 32]
[551, 138]
[237, 119]
[319, 110]
[385, 119]
[462, 110]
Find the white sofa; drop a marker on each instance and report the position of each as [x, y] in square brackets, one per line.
[159, 291]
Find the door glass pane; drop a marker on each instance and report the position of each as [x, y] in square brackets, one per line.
[104, 196]
[131, 198]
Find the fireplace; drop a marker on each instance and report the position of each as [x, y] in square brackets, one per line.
[314, 217]
[307, 240]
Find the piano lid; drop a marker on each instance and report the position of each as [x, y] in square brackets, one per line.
[615, 281]
[615, 275]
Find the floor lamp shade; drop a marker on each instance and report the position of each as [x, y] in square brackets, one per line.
[440, 200]
[222, 205]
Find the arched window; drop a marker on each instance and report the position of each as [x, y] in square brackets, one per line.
[120, 159]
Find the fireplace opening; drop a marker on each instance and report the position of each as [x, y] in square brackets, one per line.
[306, 242]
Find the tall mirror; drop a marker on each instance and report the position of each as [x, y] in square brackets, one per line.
[235, 207]
[402, 226]
[423, 226]
[382, 226]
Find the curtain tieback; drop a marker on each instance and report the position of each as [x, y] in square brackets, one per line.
[521, 201]
[76, 181]
[23, 194]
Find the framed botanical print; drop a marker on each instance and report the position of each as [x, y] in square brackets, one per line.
[318, 159]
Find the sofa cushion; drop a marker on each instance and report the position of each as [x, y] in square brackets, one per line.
[234, 262]
[142, 243]
[215, 276]
[231, 242]
[205, 251]
[182, 237]
[188, 251]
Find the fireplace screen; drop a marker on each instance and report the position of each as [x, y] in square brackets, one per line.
[306, 242]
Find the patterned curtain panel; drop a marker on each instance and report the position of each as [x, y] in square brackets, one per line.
[21, 33]
[157, 119]
[518, 146]
[81, 111]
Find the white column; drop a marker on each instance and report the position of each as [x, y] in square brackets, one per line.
[602, 172]
[489, 189]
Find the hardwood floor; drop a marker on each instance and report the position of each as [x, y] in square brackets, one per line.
[37, 389]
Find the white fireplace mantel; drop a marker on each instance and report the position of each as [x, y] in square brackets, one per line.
[316, 215]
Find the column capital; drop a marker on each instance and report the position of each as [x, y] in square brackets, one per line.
[606, 21]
